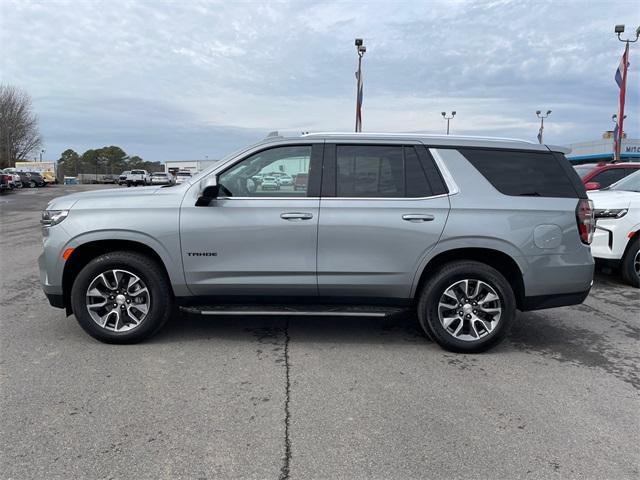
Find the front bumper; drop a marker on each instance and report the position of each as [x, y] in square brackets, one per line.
[611, 237]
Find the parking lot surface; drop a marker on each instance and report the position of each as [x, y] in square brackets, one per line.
[325, 398]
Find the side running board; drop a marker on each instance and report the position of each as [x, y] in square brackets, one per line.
[295, 310]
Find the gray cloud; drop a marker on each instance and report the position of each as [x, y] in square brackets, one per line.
[185, 80]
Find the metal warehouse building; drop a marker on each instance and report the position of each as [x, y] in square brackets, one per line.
[602, 150]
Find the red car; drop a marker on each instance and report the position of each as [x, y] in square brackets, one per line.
[596, 176]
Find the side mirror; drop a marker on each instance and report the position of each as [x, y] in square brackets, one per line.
[592, 186]
[209, 191]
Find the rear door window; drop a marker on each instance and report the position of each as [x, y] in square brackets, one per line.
[521, 173]
[377, 171]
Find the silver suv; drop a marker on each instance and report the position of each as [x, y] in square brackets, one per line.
[462, 230]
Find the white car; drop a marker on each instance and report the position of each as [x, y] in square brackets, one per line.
[270, 183]
[160, 178]
[285, 181]
[182, 176]
[617, 236]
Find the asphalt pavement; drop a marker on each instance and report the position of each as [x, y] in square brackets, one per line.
[299, 398]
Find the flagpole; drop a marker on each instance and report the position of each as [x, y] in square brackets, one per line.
[361, 49]
[622, 84]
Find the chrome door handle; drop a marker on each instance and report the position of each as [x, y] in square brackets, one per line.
[417, 217]
[296, 216]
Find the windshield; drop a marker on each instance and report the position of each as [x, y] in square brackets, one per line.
[630, 183]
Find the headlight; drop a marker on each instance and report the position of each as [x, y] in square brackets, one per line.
[53, 217]
[610, 212]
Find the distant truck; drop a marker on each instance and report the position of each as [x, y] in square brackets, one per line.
[138, 177]
[45, 169]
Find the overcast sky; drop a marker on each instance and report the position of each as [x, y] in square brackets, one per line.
[189, 79]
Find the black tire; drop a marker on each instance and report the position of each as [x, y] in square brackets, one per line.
[32, 184]
[434, 288]
[628, 265]
[148, 270]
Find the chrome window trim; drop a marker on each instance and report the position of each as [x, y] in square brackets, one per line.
[268, 198]
[386, 198]
[446, 174]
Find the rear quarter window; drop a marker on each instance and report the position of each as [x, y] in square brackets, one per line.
[521, 173]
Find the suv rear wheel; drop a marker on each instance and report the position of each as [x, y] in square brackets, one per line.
[466, 307]
[121, 297]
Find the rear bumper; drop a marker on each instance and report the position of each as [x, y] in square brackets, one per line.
[55, 300]
[540, 302]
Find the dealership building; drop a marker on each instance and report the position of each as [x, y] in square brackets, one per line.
[601, 150]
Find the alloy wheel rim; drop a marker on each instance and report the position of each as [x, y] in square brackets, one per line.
[118, 300]
[636, 263]
[469, 309]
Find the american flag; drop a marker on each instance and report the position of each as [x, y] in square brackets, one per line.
[359, 102]
[621, 80]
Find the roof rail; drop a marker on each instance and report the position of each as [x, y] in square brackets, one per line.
[444, 137]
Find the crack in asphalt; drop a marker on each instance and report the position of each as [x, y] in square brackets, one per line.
[284, 471]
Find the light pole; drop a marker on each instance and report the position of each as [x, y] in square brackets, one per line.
[448, 118]
[361, 49]
[621, 80]
[541, 117]
[41, 152]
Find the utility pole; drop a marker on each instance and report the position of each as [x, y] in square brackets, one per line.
[621, 80]
[448, 118]
[541, 117]
[361, 49]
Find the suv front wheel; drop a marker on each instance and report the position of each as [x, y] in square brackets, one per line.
[121, 297]
[466, 307]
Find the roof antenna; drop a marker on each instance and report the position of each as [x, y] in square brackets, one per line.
[273, 134]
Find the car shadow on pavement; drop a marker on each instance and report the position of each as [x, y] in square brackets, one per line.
[399, 328]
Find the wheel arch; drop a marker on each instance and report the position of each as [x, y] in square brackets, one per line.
[501, 261]
[86, 252]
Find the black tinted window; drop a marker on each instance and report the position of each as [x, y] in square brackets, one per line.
[522, 173]
[379, 171]
[610, 176]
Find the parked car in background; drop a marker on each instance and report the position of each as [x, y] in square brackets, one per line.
[108, 178]
[48, 177]
[300, 182]
[122, 179]
[269, 183]
[181, 177]
[160, 178]
[34, 179]
[15, 181]
[138, 177]
[596, 176]
[617, 237]
[285, 181]
[4, 182]
[24, 179]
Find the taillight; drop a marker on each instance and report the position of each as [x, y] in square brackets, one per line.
[586, 220]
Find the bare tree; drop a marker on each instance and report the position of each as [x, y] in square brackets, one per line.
[19, 134]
